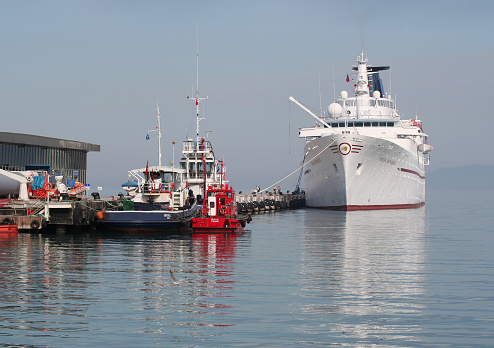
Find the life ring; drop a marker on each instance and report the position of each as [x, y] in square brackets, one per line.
[35, 225]
[7, 221]
[48, 186]
[222, 211]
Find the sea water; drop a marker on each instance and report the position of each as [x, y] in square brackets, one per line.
[398, 278]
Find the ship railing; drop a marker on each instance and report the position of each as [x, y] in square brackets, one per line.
[135, 175]
[411, 123]
[195, 175]
[188, 146]
[193, 146]
[157, 187]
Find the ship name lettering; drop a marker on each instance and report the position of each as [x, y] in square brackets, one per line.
[387, 160]
[316, 161]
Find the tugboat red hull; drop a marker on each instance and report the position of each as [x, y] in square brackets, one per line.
[219, 212]
[218, 224]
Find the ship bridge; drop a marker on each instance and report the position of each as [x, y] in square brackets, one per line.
[198, 160]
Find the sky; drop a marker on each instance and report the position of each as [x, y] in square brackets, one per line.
[94, 71]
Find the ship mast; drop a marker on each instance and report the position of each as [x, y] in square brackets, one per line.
[362, 86]
[159, 135]
[198, 99]
[200, 147]
[158, 129]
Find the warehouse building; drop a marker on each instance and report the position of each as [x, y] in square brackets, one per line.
[20, 152]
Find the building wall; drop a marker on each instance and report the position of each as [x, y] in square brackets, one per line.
[67, 158]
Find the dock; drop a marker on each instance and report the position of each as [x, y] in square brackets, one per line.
[269, 202]
[34, 215]
[78, 213]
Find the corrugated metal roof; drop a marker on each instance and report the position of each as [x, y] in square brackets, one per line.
[28, 139]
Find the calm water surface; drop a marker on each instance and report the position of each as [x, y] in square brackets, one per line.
[405, 278]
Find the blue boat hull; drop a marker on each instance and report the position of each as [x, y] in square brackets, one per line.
[153, 221]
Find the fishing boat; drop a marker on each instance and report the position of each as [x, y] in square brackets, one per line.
[362, 155]
[162, 204]
[219, 212]
[159, 200]
[168, 197]
[198, 164]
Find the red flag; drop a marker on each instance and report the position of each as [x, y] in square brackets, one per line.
[147, 167]
[197, 101]
[347, 78]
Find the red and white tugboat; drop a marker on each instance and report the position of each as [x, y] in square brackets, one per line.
[219, 211]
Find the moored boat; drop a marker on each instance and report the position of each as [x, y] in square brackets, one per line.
[148, 218]
[361, 155]
[159, 201]
[8, 232]
[166, 198]
[8, 229]
[219, 213]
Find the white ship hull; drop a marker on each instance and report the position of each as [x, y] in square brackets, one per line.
[363, 173]
[362, 155]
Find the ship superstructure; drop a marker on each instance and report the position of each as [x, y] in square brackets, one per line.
[362, 155]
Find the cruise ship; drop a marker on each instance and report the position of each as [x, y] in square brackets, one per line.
[362, 155]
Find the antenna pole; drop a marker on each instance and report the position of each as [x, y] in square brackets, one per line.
[198, 99]
[158, 129]
[197, 83]
[334, 88]
[320, 97]
[159, 135]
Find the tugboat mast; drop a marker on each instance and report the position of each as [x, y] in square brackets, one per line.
[198, 99]
[197, 154]
[159, 135]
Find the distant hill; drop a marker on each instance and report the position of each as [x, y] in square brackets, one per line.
[475, 177]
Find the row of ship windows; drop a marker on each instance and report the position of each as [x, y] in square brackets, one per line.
[362, 124]
[367, 102]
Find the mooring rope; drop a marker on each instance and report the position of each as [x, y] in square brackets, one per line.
[303, 165]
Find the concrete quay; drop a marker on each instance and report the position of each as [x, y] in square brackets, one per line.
[33, 215]
[269, 202]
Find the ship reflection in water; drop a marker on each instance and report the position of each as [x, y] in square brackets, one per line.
[114, 291]
[364, 271]
[300, 278]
